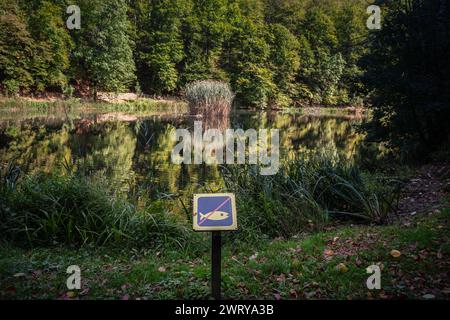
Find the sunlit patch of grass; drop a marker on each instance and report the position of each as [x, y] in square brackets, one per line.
[144, 106]
[19, 108]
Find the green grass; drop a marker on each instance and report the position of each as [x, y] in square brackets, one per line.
[297, 268]
[17, 108]
[144, 106]
[73, 209]
[139, 250]
[48, 209]
[307, 193]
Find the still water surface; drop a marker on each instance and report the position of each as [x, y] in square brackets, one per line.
[133, 152]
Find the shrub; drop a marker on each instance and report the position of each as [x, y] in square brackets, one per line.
[208, 94]
[305, 194]
[49, 209]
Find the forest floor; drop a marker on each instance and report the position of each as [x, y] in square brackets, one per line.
[413, 254]
[424, 191]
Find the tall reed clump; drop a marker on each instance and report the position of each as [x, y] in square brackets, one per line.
[206, 95]
[306, 194]
[50, 209]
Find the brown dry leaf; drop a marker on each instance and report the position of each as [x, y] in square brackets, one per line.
[383, 295]
[395, 253]
[293, 293]
[281, 278]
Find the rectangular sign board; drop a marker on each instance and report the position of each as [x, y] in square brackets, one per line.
[214, 212]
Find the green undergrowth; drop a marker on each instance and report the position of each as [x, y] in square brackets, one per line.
[46, 210]
[304, 196]
[139, 106]
[326, 265]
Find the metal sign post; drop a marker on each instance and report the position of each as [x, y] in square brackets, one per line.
[216, 263]
[215, 213]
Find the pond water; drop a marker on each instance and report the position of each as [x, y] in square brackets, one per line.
[133, 152]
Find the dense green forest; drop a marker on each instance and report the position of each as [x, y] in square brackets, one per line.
[269, 51]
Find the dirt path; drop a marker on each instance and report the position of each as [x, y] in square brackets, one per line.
[425, 192]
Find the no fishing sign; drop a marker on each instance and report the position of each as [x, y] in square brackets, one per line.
[214, 212]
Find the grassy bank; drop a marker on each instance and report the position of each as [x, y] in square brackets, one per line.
[309, 193]
[305, 195]
[308, 232]
[137, 107]
[324, 265]
[44, 210]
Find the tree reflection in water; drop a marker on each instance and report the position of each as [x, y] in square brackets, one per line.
[134, 153]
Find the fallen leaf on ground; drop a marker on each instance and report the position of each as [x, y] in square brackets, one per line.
[281, 278]
[293, 293]
[395, 253]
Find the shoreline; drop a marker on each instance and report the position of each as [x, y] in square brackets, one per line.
[128, 98]
[106, 100]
